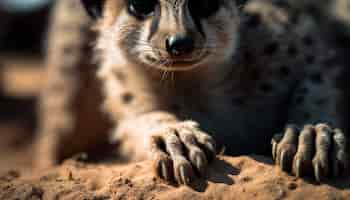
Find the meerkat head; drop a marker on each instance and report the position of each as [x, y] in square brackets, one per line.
[169, 35]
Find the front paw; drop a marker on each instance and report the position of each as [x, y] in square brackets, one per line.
[319, 149]
[179, 149]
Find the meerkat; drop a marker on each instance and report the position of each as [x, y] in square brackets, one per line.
[180, 79]
[69, 104]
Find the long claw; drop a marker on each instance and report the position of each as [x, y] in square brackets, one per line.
[164, 171]
[318, 172]
[274, 150]
[297, 168]
[184, 179]
[284, 162]
[200, 164]
[211, 147]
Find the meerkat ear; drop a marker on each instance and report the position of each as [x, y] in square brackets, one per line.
[93, 7]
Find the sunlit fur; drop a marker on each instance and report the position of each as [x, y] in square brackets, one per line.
[125, 39]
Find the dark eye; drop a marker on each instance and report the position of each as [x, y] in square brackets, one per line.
[204, 8]
[142, 8]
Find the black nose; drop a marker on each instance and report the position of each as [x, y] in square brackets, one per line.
[179, 45]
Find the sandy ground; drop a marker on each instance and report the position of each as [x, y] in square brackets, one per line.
[227, 178]
[253, 177]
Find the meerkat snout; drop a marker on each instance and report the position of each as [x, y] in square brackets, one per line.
[179, 45]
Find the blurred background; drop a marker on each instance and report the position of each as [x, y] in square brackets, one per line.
[23, 27]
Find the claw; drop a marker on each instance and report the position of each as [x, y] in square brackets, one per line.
[321, 171]
[286, 159]
[274, 150]
[283, 163]
[338, 168]
[275, 140]
[339, 152]
[297, 168]
[211, 147]
[164, 171]
[212, 151]
[183, 178]
[318, 172]
[200, 164]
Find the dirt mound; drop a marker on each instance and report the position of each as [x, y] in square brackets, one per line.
[227, 178]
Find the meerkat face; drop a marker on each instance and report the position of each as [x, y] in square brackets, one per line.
[170, 35]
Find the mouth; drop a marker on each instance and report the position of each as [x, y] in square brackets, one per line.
[181, 64]
[178, 65]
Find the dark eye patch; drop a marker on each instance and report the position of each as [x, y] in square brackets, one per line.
[203, 8]
[142, 9]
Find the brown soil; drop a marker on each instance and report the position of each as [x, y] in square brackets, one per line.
[228, 178]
